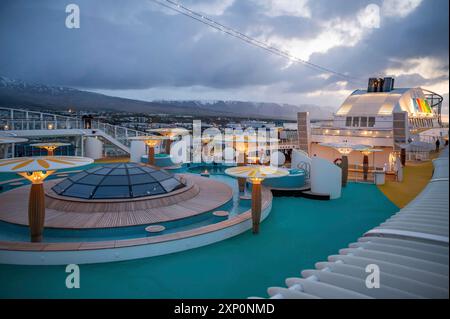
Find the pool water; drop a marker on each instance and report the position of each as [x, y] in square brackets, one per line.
[12, 232]
[298, 233]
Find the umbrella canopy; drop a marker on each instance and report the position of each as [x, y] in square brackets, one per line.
[9, 140]
[368, 151]
[257, 172]
[346, 148]
[150, 140]
[171, 132]
[49, 145]
[42, 163]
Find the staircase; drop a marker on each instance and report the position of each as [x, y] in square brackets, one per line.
[17, 121]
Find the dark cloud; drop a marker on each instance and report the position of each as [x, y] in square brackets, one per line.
[136, 45]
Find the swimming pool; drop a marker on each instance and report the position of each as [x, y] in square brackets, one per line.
[296, 234]
[14, 232]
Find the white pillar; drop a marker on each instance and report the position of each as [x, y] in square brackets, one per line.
[137, 149]
[93, 148]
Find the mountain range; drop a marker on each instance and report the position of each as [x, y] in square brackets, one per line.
[20, 94]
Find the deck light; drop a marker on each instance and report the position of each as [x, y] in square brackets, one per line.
[36, 170]
[366, 152]
[50, 147]
[172, 133]
[345, 149]
[151, 141]
[256, 175]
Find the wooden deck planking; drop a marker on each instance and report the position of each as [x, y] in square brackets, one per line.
[204, 195]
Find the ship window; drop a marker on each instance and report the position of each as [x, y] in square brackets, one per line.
[348, 121]
[371, 121]
[363, 122]
[356, 121]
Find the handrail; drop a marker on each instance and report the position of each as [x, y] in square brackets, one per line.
[432, 97]
[35, 120]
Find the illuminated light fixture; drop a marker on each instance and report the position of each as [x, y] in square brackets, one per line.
[366, 152]
[50, 147]
[151, 141]
[345, 149]
[172, 133]
[36, 170]
[256, 175]
[50, 126]
[243, 143]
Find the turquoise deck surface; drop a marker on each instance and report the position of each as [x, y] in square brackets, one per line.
[298, 233]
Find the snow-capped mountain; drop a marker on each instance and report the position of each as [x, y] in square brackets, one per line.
[16, 93]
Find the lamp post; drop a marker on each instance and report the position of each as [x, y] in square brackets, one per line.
[4, 140]
[244, 144]
[345, 149]
[171, 133]
[366, 152]
[50, 147]
[256, 175]
[151, 141]
[36, 170]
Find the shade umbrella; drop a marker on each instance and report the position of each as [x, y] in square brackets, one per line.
[11, 140]
[366, 152]
[151, 141]
[50, 147]
[345, 149]
[36, 170]
[244, 143]
[256, 174]
[171, 132]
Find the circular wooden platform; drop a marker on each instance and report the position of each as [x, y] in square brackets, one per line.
[211, 195]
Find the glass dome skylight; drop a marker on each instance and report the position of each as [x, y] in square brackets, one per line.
[118, 181]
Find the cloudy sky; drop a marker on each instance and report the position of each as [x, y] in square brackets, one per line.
[141, 50]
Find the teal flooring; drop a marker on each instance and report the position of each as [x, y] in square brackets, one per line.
[298, 233]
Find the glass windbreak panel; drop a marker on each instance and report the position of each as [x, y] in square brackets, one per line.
[160, 175]
[363, 122]
[60, 187]
[141, 179]
[91, 179]
[348, 121]
[147, 190]
[115, 180]
[118, 171]
[112, 192]
[78, 176]
[170, 184]
[371, 121]
[79, 190]
[356, 121]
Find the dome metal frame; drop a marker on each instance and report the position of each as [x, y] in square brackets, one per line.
[118, 181]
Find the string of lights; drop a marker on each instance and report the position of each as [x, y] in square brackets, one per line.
[182, 9]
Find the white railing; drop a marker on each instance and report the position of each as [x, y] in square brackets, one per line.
[377, 133]
[21, 119]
